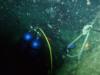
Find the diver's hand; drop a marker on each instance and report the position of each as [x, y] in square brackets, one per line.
[86, 29]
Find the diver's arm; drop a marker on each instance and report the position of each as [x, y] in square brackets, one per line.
[96, 30]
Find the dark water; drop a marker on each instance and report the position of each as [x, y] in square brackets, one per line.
[62, 21]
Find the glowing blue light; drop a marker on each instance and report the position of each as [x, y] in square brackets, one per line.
[27, 36]
[36, 44]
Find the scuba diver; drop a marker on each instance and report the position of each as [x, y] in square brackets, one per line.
[85, 32]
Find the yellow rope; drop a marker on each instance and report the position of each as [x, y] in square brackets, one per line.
[49, 46]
